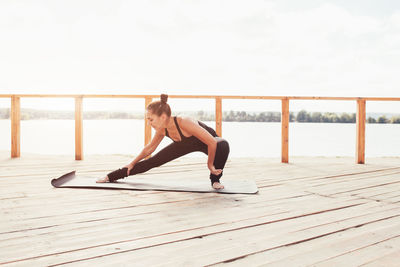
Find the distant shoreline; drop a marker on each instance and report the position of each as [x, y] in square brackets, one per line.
[234, 116]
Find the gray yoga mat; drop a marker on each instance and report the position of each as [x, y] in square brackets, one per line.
[72, 180]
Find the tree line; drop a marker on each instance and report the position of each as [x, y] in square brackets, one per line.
[33, 114]
[239, 116]
[301, 116]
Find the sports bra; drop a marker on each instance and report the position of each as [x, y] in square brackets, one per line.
[190, 138]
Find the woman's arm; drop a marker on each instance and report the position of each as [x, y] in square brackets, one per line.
[203, 135]
[147, 150]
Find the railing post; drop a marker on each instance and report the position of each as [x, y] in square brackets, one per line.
[360, 149]
[147, 127]
[78, 129]
[218, 116]
[285, 130]
[15, 127]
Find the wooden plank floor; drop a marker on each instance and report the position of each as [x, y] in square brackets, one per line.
[311, 212]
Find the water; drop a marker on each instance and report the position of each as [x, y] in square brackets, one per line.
[247, 139]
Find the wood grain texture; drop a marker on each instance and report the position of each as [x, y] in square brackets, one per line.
[218, 116]
[205, 97]
[360, 124]
[147, 127]
[15, 127]
[314, 211]
[285, 131]
[78, 128]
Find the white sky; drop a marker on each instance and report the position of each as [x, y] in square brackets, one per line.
[230, 47]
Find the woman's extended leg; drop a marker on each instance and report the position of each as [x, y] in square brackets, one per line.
[221, 155]
[168, 153]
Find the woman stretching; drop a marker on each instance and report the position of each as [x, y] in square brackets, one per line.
[187, 135]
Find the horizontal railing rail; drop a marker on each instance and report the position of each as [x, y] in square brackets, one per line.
[285, 115]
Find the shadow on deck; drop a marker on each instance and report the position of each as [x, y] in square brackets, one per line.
[313, 211]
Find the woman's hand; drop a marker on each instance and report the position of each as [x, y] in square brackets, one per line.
[130, 167]
[214, 171]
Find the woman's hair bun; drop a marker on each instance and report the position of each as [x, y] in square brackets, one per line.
[164, 98]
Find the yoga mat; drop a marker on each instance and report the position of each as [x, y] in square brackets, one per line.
[72, 180]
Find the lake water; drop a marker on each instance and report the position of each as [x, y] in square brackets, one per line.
[246, 139]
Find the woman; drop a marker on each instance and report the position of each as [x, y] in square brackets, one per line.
[187, 135]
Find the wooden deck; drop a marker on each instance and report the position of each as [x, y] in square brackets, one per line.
[313, 211]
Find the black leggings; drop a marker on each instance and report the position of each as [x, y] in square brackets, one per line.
[173, 151]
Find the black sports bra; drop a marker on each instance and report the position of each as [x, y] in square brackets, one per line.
[183, 138]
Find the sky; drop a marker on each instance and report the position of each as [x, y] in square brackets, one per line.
[229, 47]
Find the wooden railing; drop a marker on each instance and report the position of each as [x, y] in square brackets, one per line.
[360, 121]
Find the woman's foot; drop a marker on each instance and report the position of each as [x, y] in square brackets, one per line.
[103, 180]
[217, 186]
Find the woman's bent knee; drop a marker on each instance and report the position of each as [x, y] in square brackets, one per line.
[222, 144]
